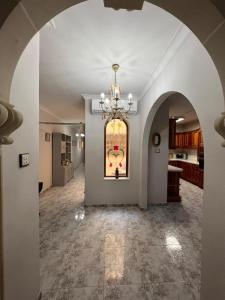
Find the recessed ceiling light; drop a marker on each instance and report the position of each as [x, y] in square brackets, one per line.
[179, 120]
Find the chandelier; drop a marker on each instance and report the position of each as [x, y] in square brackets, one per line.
[112, 106]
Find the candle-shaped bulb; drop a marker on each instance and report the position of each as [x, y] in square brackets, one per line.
[102, 96]
[130, 96]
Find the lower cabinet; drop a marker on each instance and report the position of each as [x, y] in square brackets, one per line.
[191, 172]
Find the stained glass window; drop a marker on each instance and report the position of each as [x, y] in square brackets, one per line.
[116, 148]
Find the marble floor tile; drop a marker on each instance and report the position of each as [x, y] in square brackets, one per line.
[174, 291]
[88, 293]
[128, 292]
[119, 252]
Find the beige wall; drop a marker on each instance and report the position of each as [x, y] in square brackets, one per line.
[192, 73]
[98, 190]
[77, 151]
[45, 148]
[20, 185]
[158, 161]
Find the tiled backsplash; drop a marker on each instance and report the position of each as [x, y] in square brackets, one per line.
[192, 153]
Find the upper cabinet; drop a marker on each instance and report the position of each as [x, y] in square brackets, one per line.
[172, 133]
[187, 140]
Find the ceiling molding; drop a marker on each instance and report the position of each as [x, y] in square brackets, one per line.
[43, 108]
[28, 16]
[220, 25]
[177, 40]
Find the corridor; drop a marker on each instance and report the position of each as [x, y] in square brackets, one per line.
[119, 252]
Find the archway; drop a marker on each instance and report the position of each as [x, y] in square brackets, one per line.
[183, 137]
[190, 84]
[183, 208]
[32, 24]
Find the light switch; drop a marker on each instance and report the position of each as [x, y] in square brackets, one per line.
[24, 160]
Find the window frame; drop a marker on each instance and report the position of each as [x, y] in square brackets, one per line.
[127, 149]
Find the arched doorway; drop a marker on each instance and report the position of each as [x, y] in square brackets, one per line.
[180, 144]
[171, 192]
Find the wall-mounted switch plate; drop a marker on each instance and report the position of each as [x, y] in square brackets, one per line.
[24, 160]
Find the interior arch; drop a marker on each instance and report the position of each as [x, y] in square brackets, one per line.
[33, 16]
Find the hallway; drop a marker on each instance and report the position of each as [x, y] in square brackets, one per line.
[119, 252]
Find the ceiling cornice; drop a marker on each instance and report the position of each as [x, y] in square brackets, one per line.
[177, 40]
[43, 108]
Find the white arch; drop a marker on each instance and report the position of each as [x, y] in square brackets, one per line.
[192, 73]
[29, 16]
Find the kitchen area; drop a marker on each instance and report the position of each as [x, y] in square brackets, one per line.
[186, 154]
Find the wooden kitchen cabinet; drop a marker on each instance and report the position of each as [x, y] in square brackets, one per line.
[189, 140]
[194, 139]
[179, 140]
[187, 137]
[172, 133]
[201, 144]
[191, 172]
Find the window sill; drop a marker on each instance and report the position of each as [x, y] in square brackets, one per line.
[118, 179]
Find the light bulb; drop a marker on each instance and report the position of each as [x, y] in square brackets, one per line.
[107, 101]
[130, 96]
[82, 135]
[179, 120]
[102, 96]
[77, 135]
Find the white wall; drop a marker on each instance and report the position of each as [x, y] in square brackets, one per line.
[77, 150]
[158, 161]
[109, 191]
[192, 73]
[20, 186]
[45, 148]
[192, 153]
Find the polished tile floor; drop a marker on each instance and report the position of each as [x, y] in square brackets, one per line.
[119, 252]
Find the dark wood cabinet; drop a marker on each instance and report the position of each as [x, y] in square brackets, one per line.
[173, 188]
[189, 140]
[172, 133]
[194, 139]
[191, 172]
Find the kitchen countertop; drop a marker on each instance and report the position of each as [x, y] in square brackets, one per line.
[174, 169]
[190, 161]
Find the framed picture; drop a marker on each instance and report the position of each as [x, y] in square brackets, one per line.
[156, 139]
[47, 137]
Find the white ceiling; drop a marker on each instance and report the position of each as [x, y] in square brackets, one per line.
[181, 107]
[78, 50]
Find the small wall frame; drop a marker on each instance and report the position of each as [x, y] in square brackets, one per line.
[47, 137]
[156, 139]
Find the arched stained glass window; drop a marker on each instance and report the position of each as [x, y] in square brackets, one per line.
[116, 148]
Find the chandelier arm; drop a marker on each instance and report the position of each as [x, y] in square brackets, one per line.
[111, 108]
